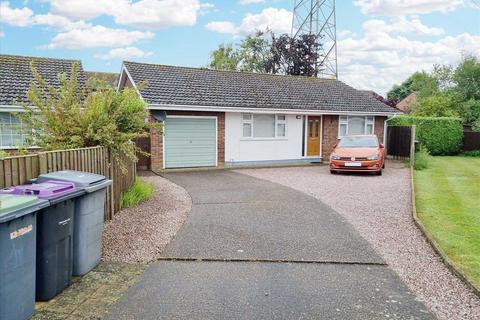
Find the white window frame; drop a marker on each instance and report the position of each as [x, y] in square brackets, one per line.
[22, 133]
[343, 120]
[277, 122]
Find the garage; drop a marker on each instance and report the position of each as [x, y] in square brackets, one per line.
[190, 142]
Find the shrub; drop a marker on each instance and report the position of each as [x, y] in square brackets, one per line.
[474, 153]
[441, 136]
[139, 192]
[422, 157]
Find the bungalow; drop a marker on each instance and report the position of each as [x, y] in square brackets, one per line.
[15, 80]
[226, 118]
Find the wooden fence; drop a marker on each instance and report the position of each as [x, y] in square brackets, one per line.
[19, 169]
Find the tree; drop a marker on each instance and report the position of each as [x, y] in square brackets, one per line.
[439, 105]
[467, 78]
[264, 52]
[255, 52]
[225, 58]
[72, 116]
[294, 56]
[422, 83]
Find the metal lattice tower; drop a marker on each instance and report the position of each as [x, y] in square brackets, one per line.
[318, 17]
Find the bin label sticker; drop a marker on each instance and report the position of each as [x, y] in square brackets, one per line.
[20, 232]
[64, 222]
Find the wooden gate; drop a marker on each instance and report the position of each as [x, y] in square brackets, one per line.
[400, 141]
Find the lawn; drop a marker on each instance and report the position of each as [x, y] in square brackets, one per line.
[448, 204]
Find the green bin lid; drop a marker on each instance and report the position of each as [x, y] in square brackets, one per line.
[15, 202]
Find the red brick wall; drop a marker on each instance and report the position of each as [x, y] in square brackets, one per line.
[329, 135]
[143, 161]
[156, 141]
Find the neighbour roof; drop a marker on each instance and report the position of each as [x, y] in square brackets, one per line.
[170, 85]
[16, 75]
[111, 78]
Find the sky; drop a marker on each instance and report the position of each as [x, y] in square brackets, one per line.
[380, 42]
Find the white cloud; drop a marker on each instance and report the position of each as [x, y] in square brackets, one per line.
[405, 7]
[222, 27]
[97, 36]
[124, 54]
[379, 60]
[2, 34]
[15, 16]
[25, 17]
[157, 14]
[401, 25]
[245, 2]
[154, 14]
[277, 20]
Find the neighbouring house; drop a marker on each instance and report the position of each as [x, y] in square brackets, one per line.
[108, 77]
[226, 118]
[15, 80]
[407, 103]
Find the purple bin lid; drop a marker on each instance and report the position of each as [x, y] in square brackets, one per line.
[45, 190]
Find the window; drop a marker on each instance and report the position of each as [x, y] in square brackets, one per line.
[264, 125]
[12, 132]
[349, 125]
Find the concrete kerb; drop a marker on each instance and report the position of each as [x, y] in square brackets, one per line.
[428, 236]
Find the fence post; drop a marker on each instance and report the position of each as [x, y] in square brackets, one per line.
[114, 186]
[42, 162]
[412, 145]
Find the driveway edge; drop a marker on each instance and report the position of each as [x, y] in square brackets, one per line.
[428, 236]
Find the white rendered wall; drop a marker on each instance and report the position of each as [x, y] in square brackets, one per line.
[239, 149]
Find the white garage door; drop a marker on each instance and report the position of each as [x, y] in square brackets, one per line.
[190, 142]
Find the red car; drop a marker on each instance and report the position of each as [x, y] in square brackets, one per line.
[358, 153]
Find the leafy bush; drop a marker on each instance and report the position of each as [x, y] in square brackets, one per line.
[139, 192]
[474, 153]
[75, 116]
[422, 157]
[441, 136]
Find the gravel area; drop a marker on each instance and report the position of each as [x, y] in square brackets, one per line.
[379, 207]
[139, 234]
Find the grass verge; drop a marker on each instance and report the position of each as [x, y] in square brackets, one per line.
[139, 192]
[447, 196]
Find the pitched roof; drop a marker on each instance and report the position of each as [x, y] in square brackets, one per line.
[111, 78]
[16, 75]
[167, 85]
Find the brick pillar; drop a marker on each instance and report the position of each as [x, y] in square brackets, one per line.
[156, 150]
[330, 135]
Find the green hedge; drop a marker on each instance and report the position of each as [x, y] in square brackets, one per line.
[441, 136]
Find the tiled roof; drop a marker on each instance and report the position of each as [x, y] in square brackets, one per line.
[16, 76]
[111, 78]
[169, 85]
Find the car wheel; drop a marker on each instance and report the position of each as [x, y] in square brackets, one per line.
[379, 173]
[333, 172]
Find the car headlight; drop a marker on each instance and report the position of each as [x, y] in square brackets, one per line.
[374, 157]
[334, 157]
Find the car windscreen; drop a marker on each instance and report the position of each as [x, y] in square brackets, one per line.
[358, 142]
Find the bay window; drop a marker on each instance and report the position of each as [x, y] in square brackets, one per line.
[349, 125]
[259, 125]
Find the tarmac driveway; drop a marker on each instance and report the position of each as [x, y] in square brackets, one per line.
[253, 249]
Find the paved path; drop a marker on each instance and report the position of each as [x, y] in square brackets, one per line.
[253, 249]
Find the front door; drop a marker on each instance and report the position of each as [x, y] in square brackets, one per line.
[313, 136]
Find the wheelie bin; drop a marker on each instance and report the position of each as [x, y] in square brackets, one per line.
[89, 216]
[18, 232]
[54, 235]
